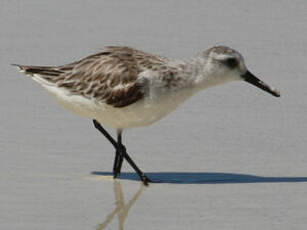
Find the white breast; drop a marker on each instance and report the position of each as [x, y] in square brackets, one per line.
[142, 113]
[152, 108]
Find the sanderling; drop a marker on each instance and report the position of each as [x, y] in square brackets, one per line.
[122, 87]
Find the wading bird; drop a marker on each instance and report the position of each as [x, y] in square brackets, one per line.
[122, 87]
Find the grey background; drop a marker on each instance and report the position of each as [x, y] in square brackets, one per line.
[235, 155]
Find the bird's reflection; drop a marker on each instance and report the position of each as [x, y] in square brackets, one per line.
[121, 209]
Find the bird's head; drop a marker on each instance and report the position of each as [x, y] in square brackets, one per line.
[225, 64]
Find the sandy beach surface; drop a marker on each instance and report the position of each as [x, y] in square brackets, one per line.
[232, 157]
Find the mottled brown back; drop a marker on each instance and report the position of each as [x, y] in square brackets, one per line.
[109, 76]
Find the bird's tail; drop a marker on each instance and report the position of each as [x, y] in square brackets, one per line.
[39, 70]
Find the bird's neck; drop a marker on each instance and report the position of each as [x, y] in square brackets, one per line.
[200, 75]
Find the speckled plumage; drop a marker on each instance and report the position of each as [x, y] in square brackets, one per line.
[110, 77]
[123, 87]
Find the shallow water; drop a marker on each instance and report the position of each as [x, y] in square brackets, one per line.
[232, 157]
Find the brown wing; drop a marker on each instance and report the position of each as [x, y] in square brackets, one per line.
[109, 76]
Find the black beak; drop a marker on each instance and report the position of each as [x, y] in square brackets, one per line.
[249, 77]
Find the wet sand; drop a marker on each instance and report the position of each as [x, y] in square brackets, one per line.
[232, 157]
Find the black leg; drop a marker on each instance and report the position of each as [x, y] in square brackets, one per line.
[123, 152]
[119, 157]
[115, 164]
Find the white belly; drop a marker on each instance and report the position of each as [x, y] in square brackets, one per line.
[142, 113]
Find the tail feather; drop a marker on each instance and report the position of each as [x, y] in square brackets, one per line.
[41, 70]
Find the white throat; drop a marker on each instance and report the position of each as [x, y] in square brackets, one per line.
[203, 74]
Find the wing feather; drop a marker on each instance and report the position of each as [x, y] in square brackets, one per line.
[110, 76]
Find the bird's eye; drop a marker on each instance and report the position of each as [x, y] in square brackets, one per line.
[231, 62]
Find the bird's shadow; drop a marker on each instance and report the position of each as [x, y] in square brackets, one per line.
[204, 177]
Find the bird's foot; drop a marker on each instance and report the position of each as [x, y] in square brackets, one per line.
[116, 172]
[145, 179]
[121, 153]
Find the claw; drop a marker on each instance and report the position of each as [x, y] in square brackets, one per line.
[145, 180]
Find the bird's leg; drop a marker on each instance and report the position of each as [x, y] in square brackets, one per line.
[119, 157]
[123, 151]
[115, 164]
